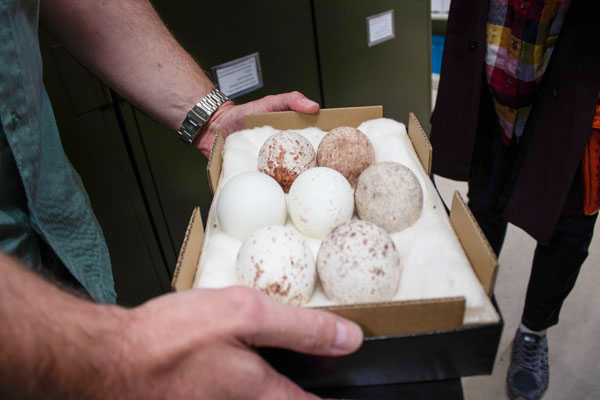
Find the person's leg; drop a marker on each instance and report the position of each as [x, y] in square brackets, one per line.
[493, 226]
[490, 170]
[554, 273]
[555, 269]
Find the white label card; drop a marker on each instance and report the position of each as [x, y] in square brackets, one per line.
[380, 27]
[239, 76]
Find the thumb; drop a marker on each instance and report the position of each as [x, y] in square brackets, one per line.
[294, 101]
[301, 329]
[298, 102]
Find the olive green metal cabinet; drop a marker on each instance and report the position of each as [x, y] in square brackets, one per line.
[173, 175]
[392, 71]
[281, 32]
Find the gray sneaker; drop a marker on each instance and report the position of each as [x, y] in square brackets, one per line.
[528, 373]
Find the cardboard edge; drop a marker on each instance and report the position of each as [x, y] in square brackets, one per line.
[405, 317]
[420, 142]
[473, 240]
[189, 254]
[325, 119]
[464, 226]
[215, 162]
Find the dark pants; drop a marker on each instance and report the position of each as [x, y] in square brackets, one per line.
[556, 265]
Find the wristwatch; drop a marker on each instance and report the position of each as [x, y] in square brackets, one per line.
[199, 115]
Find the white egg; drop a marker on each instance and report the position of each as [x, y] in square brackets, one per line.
[276, 260]
[249, 201]
[358, 262]
[319, 200]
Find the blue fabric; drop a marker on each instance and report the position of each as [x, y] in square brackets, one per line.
[41, 196]
[437, 50]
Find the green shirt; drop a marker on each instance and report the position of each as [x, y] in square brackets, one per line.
[41, 196]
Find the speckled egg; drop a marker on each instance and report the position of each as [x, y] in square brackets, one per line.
[284, 156]
[389, 195]
[276, 260]
[347, 150]
[358, 262]
[319, 200]
[249, 201]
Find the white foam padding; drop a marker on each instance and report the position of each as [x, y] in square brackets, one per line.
[435, 265]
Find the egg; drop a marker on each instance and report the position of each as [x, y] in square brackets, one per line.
[284, 156]
[249, 201]
[320, 199]
[276, 260]
[347, 150]
[389, 194]
[357, 263]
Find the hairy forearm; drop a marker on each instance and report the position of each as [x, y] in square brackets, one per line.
[126, 44]
[52, 344]
[188, 345]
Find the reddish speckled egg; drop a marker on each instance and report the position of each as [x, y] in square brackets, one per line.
[276, 260]
[358, 263]
[347, 150]
[284, 156]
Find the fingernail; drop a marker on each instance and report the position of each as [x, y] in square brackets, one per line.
[309, 102]
[348, 336]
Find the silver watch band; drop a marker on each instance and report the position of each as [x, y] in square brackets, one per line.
[199, 115]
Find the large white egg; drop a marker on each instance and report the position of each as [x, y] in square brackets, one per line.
[358, 262]
[249, 201]
[319, 200]
[276, 260]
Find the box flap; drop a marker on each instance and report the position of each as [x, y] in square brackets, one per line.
[399, 318]
[420, 142]
[325, 119]
[189, 254]
[215, 162]
[478, 250]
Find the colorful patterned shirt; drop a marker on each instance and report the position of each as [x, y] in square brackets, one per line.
[521, 35]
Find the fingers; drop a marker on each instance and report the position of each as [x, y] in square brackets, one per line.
[269, 323]
[294, 101]
[278, 387]
[299, 102]
[230, 118]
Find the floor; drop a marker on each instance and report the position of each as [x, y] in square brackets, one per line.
[574, 344]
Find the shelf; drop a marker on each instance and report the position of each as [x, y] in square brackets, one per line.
[439, 16]
[435, 81]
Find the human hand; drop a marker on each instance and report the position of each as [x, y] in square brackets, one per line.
[229, 117]
[199, 344]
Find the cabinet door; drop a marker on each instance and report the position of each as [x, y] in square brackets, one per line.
[282, 32]
[94, 142]
[395, 73]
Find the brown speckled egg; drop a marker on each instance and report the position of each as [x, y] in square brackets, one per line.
[284, 156]
[347, 150]
[389, 195]
[358, 262]
[276, 260]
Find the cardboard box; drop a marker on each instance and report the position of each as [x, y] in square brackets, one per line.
[407, 341]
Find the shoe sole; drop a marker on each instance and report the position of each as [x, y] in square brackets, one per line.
[522, 398]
